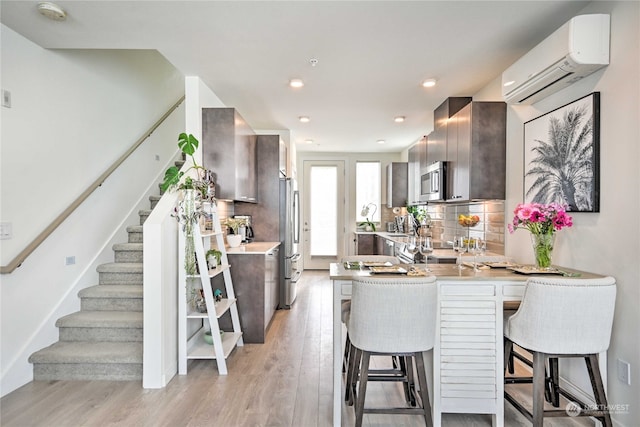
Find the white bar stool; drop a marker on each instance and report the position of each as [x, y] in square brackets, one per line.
[560, 317]
[393, 317]
[399, 368]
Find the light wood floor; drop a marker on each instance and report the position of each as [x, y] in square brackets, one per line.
[285, 382]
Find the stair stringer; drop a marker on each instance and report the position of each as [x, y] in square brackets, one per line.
[160, 254]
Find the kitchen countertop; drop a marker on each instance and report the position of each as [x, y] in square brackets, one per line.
[450, 272]
[253, 248]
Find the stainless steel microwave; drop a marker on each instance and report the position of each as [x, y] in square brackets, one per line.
[433, 182]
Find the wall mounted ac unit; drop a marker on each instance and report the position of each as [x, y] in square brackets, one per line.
[577, 49]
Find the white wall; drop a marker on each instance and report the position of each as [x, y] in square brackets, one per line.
[607, 242]
[73, 113]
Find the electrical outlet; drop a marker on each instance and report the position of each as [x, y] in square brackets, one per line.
[6, 98]
[624, 371]
[70, 260]
[6, 231]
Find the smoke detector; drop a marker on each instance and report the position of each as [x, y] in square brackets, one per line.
[52, 11]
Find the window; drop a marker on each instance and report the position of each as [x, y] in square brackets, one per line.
[368, 190]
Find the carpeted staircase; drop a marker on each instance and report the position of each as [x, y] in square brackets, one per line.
[103, 341]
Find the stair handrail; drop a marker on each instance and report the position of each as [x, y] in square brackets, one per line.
[19, 259]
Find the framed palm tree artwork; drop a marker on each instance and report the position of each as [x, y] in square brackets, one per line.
[562, 156]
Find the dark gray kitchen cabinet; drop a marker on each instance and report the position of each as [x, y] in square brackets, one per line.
[265, 214]
[255, 279]
[437, 147]
[365, 244]
[397, 184]
[417, 159]
[229, 150]
[437, 140]
[476, 152]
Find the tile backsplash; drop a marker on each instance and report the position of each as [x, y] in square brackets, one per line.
[444, 222]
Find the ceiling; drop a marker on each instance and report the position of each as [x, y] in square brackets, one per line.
[371, 55]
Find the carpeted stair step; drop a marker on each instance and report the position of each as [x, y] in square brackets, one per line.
[127, 252]
[111, 298]
[144, 214]
[120, 273]
[115, 361]
[111, 326]
[154, 201]
[135, 233]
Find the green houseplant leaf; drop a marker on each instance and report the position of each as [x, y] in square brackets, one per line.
[188, 144]
[171, 178]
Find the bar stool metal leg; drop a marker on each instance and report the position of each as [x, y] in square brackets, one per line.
[538, 388]
[424, 391]
[553, 383]
[598, 389]
[362, 392]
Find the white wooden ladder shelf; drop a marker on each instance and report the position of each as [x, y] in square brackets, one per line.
[192, 324]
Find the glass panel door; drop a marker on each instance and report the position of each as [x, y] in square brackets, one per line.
[324, 213]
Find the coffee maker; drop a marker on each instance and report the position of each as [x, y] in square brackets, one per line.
[245, 231]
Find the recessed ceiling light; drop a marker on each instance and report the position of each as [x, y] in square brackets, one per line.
[296, 83]
[52, 11]
[309, 141]
[380, 141]
[398, 119]
[304, 119]
[509, 83]
[429, 83]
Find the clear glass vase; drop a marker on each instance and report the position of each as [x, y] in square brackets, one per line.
[543, 249]
[188, 207]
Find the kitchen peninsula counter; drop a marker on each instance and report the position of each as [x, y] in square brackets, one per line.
[469, 336]
[448, 272]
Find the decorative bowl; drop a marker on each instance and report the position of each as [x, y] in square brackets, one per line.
[209, 339]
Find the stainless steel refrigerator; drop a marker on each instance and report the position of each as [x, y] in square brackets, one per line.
[289, 238]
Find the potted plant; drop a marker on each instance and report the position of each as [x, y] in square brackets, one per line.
[235, 238]
[188, 211]
[368, 225]
[188, 144]
[213, 258]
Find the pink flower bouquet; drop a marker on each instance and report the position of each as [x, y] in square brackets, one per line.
[539, 218]
[542, 221]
